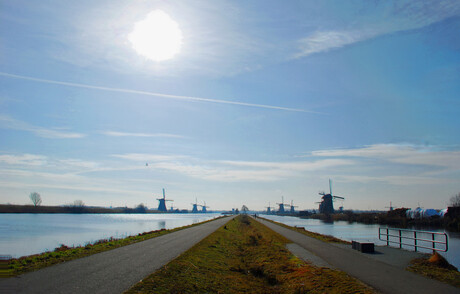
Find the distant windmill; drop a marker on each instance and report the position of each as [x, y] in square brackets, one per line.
[292, 207]
[195, 206]
[390, 207]
[162, 203]
[203, 207]
[282, 205]
[269, 208]
[326, 206]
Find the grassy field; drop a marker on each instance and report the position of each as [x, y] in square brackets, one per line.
[245, 257]
[325, 238]
[17, 266]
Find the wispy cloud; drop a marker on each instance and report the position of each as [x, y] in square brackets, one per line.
[403, 16]
[23, 159]
[232, 171]
[14, 124]
[161, 95]
[397, 164]
[126, 134]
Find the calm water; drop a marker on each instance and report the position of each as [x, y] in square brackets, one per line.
[362, 232]
[26, 234]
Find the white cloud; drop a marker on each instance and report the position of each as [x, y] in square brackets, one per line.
[126, 134]
[14, 124]
[23, 159]
[403, 16]
[232, 171]
[405, 154]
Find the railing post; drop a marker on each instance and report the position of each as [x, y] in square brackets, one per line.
[400, 239]
[433, 243]
[415, 240]
[388, 237]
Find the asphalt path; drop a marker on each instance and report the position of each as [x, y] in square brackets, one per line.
[112, 271]
[383, 277]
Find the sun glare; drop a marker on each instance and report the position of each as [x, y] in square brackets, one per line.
[156, 37]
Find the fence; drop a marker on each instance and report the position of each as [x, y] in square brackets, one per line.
[419, 239]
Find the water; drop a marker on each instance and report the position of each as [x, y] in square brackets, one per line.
[26, 234]
[362, 232]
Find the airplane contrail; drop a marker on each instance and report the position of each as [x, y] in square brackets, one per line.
[168, 96]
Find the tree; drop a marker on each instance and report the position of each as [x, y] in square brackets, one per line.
[78, 203]
[455, 200]
[36, 198]
[244, 209]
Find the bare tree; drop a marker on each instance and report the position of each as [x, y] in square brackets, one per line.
[36, 198]
[455, 200]
[78, 203]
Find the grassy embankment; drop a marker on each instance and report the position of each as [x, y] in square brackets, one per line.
[17, 266]
[433, 267]
[245, 256]
[436, 267]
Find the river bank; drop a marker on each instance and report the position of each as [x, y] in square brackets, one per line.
[394, 218]
[64, 253]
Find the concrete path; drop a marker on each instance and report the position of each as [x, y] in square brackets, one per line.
[112, 271]
[382, 276]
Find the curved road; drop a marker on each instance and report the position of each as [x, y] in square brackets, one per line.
[381, 276]
[112, 271]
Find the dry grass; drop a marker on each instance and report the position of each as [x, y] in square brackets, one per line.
[436, 267]
[245, 256]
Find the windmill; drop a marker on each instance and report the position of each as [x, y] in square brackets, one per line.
[162, 203]
[203, 207]
[390, 207]
[269, 208]
[326, 206]
[195, 206]
[281, 205]
[292, 207]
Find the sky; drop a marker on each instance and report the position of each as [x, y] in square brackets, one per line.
[258, 101]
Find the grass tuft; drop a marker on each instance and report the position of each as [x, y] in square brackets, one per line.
[436, 267]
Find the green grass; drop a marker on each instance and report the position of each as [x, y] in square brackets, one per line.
[245, 256]
[324, 238]
[17, 266]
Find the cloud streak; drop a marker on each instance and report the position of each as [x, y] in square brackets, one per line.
[14, 124]
[126, 134]
[161, 95]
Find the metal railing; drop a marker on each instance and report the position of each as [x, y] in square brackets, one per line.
[399, 236]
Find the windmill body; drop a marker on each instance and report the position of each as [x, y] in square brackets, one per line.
[162, 203]
[326, 206]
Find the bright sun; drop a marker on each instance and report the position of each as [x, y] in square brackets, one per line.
[157, 37]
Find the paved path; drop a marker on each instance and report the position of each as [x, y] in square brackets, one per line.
[382, 276]
[112, 271]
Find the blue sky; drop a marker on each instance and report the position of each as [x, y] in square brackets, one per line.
[265, 99]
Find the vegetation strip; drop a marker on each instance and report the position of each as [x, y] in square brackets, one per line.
[324, 238]
[17, 266]
[244, 256]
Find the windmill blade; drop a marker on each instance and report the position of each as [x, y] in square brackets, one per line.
[330, 186]
[164, 193]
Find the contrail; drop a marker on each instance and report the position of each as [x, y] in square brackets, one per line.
[168, 96]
